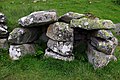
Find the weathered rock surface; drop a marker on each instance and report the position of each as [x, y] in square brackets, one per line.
[104, 34]
[3, 31]
[17, 51]
[38, 18]
[90, 24]
[69, 16]
[2, 18]
[60, 31]
[62, 48]
[98, 59]
[52, 54]
[23, 35]
[106, 47]
[4, 43]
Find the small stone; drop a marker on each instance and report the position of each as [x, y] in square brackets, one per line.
[23, 35]
[18, 51]
[38, 18]
[60, 31]
[69, 16]
[3, 43]
[98, 59]
[2, 18]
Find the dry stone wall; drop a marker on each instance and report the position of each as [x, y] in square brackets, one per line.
[62, 32]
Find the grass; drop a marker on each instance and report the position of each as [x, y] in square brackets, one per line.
[38, 68]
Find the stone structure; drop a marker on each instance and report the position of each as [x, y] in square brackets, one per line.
[93, 31]
[61, 33]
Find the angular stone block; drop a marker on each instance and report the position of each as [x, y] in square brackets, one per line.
[38, 18]
[23, 35]
[60, 31]
[17, 51]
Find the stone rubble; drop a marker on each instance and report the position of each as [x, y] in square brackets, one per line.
[60, 34]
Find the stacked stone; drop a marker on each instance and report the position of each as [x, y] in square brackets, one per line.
[60, 44]
[100, 40]
[3, 32]
[22, 39]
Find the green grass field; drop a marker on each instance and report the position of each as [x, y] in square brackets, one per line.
[39, 68]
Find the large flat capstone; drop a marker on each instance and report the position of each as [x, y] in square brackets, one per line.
[90, 24]
[38, 18]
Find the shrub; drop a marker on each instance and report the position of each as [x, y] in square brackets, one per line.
[117, 2]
